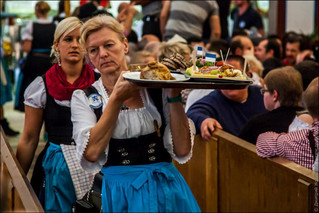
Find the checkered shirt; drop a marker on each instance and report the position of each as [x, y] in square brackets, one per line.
[294, 146]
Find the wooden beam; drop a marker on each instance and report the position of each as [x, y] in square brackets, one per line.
[281, 18]
[67, 8]
[317, 18]
[20, 184]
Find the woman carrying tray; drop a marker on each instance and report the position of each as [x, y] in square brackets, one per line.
[136, 136]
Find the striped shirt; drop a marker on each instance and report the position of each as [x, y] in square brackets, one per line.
[187, 18]
[294, 146]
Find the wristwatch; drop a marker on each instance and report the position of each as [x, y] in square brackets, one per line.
[175, 99]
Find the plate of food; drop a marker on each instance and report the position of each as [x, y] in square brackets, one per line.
[155, 73]
[224, 73]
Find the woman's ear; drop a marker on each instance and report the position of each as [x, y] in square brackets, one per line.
[55, 43]
[125, 46]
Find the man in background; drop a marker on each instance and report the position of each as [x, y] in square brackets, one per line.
[155, 15]
[268, 53]
[187, 19]
[245, 17]
[226, 109]
[292, 49]
[241, 45]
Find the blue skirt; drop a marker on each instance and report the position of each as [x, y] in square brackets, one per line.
[155, 187]
[59, 189]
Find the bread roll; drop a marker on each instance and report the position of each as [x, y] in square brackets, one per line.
[156, 71]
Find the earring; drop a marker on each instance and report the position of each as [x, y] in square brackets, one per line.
[57, 55]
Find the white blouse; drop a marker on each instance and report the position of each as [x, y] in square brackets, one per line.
[298, 124]
[27, 32]
[131, 123]
[35, 95]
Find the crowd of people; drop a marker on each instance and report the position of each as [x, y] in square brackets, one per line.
[96, 121]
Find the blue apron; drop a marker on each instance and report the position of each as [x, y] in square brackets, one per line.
[157, 187]
[59, 189]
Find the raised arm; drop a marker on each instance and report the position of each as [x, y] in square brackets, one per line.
[179, 125]
[101, 132]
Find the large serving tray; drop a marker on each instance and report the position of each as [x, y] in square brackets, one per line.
[188, 83]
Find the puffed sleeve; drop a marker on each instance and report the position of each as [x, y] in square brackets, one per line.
[84, 119]
[27, 32]
[35, 95]
[168, 139]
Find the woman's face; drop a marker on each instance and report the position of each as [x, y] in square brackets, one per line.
[69, 47]
[106, 51]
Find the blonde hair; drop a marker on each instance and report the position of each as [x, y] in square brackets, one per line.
[254, 64]
[140, 56]
[97, 23]
[64, 27]
[42, 7]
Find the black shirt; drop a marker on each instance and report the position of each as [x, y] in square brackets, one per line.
[250, 18]
[277, 120]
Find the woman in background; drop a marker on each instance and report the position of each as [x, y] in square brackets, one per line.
[48, 99]
[37, 38]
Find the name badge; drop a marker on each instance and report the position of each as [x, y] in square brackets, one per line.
[242, 24]
[95, 100]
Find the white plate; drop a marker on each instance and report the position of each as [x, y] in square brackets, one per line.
[135, 77]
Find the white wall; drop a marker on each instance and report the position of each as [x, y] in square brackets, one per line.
[300, 16]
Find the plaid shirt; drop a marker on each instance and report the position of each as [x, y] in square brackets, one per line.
[294, 146]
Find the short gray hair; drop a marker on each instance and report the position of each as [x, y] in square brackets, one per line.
[97, 23]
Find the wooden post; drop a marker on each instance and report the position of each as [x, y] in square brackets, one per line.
[67, 8]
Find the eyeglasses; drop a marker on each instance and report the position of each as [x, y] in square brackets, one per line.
[263, 90]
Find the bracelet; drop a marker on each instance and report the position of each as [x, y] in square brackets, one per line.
[175, 99]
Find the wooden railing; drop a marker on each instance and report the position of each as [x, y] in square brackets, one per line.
[16, 193]
[226, 175]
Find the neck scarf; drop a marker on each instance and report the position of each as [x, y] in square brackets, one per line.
[60, 89]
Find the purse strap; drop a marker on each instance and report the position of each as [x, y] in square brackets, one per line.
[96, 186]
[97, 182]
